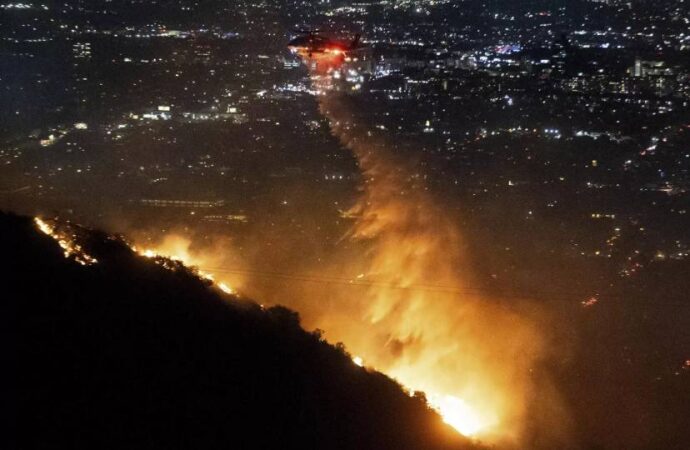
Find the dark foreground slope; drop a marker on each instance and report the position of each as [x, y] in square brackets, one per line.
[127, 354]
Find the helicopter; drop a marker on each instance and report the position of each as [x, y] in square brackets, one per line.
[311, 44]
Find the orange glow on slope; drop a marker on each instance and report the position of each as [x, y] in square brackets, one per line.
[461, 416]
[67, 240]
[454, 411]
[178, 248]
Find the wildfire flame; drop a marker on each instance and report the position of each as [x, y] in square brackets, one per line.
[72, 249]
[177, 249]
[453, 410]
[458, 414]
[66, 241]
[225, 288]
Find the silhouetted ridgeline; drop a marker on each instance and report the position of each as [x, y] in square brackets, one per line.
[127, 354]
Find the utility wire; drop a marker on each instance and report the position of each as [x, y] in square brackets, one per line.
[435, 288]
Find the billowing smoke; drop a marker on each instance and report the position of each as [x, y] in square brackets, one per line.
[479, 361]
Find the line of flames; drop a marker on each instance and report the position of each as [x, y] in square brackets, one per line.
[453, 410]
[73, 250]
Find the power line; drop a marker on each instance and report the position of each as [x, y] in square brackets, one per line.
[435, 288]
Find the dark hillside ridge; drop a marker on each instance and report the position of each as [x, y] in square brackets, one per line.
[127, 354]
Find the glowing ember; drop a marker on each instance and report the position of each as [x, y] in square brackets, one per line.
[358, 361]
[590, 302]
[44, 227]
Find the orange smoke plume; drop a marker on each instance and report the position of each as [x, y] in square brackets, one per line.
[474, 358]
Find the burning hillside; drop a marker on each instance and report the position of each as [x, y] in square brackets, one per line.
[112, 349]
